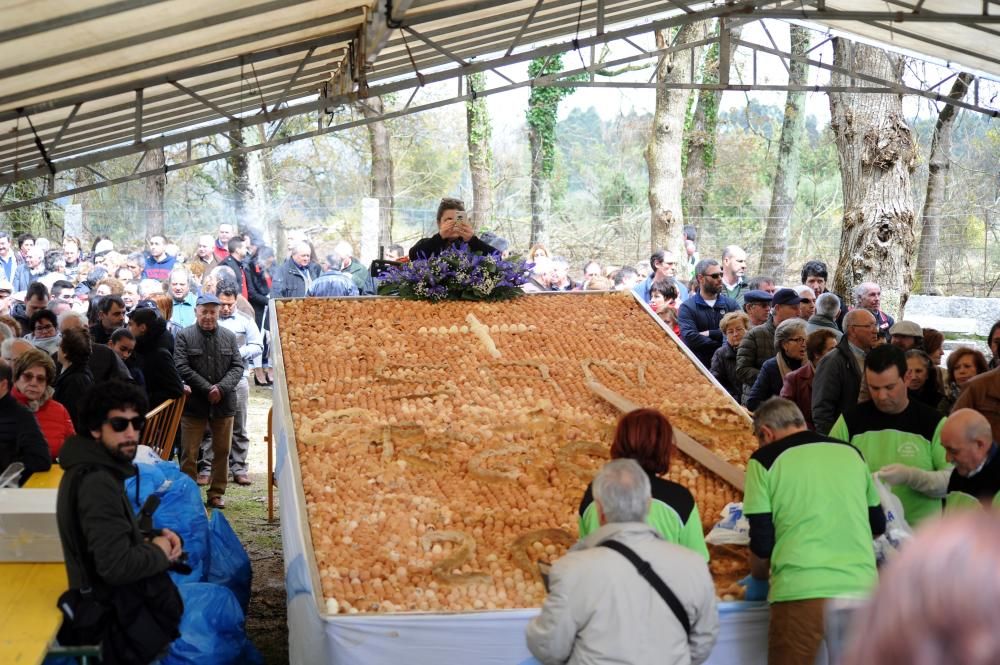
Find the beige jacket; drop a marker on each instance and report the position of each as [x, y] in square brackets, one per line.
[600, 610]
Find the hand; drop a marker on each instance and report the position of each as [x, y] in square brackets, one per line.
[449, 230]
[464, 231]
[214, 395]
[756, 589]
[168, 549]
[896, 474]
[187, 389]
[176, 544]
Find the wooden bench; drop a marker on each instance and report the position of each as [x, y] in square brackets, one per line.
[161, 426]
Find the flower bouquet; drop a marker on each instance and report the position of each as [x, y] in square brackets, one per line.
[456, 274]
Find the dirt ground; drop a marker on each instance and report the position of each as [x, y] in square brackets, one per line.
[246, 509]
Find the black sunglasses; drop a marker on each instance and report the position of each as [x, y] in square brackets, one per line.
[120, 424]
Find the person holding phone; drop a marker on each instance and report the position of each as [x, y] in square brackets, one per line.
[453, 227]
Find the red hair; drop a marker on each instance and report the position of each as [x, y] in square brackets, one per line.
[646, 436]
[977, 358]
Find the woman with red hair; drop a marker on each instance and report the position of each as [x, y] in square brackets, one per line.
[646, 436]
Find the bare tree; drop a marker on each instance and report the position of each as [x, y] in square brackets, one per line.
[663, 154]
[382, 180]
[937, 186]
[774, 254]
[877, 154]
[480, 152]
[155, 186]
[238, 179]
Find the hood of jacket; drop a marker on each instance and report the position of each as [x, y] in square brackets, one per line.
[151, 339]
[81, 450]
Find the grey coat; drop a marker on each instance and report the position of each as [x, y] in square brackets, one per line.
[756, 347]
[820, 322]
[835, 387]
[601, 610]
[206, 359]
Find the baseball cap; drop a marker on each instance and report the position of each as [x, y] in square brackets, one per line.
[207, 299]
[784, 297]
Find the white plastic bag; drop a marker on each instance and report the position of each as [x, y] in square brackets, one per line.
[732, 529]
[897, 531]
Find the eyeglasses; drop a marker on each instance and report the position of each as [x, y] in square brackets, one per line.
[862, 325]
[797, 340]
[44, 326]
[40, 378]
[716, 275]
[120, 424]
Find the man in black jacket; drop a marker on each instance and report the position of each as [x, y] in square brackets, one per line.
[154, 355]
[21, 439]
[453, 228]
[294, 277]
[838, 384]
[208, 360]
[97, 466]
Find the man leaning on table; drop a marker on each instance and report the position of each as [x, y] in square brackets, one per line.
[600, 609]
[21, 439]
[813, 511]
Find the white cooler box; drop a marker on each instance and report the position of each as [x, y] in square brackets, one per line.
[28, 531]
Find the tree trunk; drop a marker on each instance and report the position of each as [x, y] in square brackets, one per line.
[701, 137]
[382, 181]
[937, 184]
[480, 153]
[663, 154]
[539, 189]
[239, 180]
[774, 254]
[877, 154]
[155, 186]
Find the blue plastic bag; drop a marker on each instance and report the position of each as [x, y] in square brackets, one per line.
[180, 510]
[212, 629]
[229, 565]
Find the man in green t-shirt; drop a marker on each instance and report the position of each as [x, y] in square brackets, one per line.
[813, 511]
[892, 429]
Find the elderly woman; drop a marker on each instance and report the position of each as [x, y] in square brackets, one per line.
[963, 364]
[922, 378]
[790, 342]
[34, 374]
[734, 326]
[75, 378]
[646, 436]
[44, 334]
[797, 385]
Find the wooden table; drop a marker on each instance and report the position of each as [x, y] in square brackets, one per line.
[29, 619]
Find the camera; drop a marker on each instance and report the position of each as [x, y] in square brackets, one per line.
[181, 565]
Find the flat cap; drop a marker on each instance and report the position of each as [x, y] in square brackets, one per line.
[906, 328]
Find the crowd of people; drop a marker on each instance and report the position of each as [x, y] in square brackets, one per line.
[838, 391]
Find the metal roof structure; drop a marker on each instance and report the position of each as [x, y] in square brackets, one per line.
[93, 80]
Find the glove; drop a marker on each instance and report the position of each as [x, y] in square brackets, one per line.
[931, 483]
[756, 589]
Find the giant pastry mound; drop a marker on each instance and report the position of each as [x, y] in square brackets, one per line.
[444, 447]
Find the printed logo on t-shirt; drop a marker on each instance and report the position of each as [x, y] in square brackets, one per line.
[907, 449]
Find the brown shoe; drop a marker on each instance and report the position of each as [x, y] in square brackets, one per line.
[204, 479]
[242, 479]
[216, 502]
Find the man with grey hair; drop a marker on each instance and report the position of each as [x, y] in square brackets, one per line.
[827, 310]
[354, 268]
[813, 511]
[734, 267]
[600, 608]
[839, 376]
[12, 348]
[868, 295]
[334, 282]
[293, 278]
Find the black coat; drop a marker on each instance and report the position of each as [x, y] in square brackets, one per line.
[427, 247]
[257, 291]
[288, 281]
[119, 553]
[695, 316]
[21, 439]
[71, 385]
[836, 386]
[155, 357]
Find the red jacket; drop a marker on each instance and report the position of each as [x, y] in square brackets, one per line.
[53, 419]
[798, 387]
[221, 253]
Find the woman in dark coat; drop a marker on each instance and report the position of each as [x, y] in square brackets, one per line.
[734, 326]
[790, 341]
[75, 378]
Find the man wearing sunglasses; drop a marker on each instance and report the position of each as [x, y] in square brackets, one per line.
[699, 315]
[97, 466]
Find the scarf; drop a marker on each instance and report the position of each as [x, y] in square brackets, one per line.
[35, 404]
[784, 364]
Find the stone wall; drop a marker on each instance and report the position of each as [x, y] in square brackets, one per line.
[984, 311]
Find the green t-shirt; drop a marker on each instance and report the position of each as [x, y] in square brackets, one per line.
[912, 437]
[817, 494]
[673, 513]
